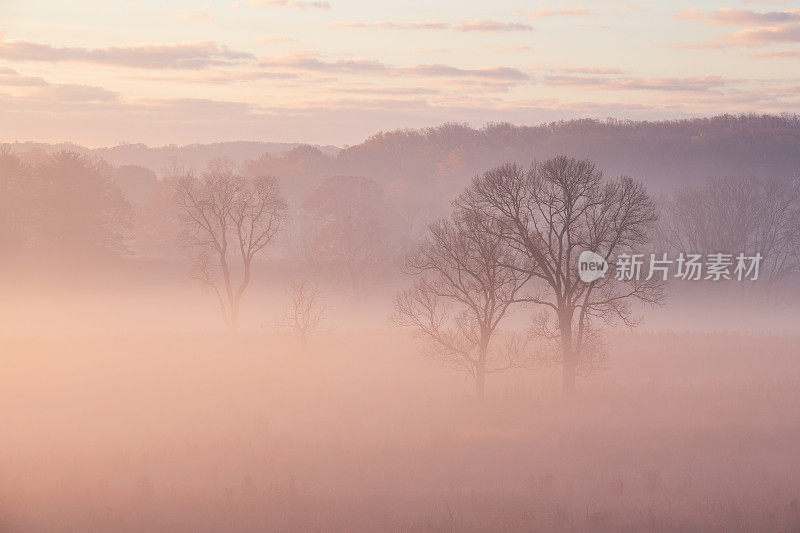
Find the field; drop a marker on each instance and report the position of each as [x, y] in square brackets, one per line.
[209, 432]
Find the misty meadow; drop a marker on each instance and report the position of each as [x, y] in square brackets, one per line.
[419, 266]
[394, 335]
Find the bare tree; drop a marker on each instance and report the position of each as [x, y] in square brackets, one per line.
[738, 215]
[550, 214]
[352, 241]
[231, 219]
[462, 292]
[306, 311]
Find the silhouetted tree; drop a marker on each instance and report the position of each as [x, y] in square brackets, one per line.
[63, 204]
[16, 202]
[462, 291]
[159, 224]
[738, 215]
[306, 310]
[229, 217]
[549, 214]
[352, 240]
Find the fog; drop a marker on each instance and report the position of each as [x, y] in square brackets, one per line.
[344, 377]
[133, 409]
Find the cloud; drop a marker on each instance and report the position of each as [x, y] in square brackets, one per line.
[626, 7]
[464, 25]
[192, 55]
[272, 39]
[80, 93]
[287, 3]
[433, 50]
[698, 46]
[224, 77]
[11, 78]
[340, 120]
[491, 26]
[391, 91]
[58, 92]
[194, 16]
[546, 12]
[779, 53]
[309, 62]
[738, 17]
[774, 34]
[302, 61]
[382, 24]
[511, 47]
[757, 28]
[497, 73]
[587, 70]
[688, 84]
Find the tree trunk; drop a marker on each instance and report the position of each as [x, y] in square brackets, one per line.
[568, 363]
[480, 375]
[480, 383]
[568, 377]
[233, 325]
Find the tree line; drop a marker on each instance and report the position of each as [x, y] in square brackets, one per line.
[510, 240]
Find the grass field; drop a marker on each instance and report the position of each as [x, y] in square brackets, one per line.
[184, 432]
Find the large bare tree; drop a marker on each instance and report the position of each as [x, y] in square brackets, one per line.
[461, 293]
[231, 219]
[550, 214]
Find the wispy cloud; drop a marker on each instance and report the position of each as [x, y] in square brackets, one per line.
[738, 17]
[41, 88]
[546, 12]
[510, 47]
[784, 33]
[491, 26]
[779, 53]
[464, 25]
[382, 24]
[273, 39]
[193, 55]
[498, 73]
[587, 70]
[309, 62]
[708, 45]
[687, 84]
[303, 61]
[285, 3]
[224, 77]
[389, 91]
[186, 15]
[80, 93]
[627, 7]
[11, 78]
[756, 28]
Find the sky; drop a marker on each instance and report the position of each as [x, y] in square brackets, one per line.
[100, 73]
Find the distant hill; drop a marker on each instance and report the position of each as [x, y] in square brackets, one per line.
[431, 165]
[661, 153]
[160, 159]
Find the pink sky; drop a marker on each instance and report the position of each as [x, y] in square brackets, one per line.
[104, 72]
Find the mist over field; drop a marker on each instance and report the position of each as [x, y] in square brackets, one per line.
[420, 266]
[345, 390]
